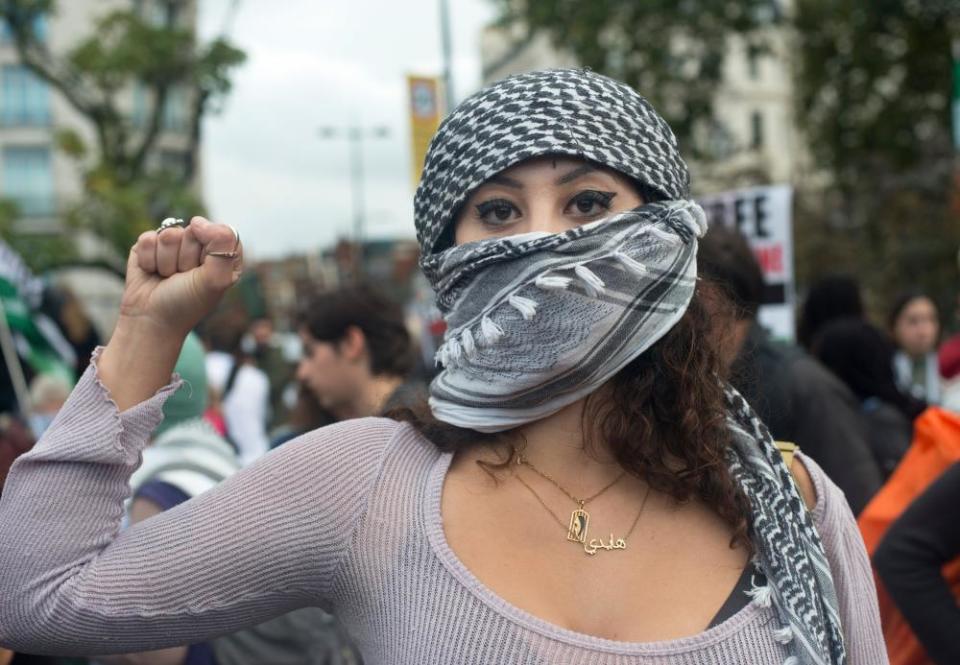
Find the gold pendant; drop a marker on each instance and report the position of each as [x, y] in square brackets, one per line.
[597, 544]
[579, 521]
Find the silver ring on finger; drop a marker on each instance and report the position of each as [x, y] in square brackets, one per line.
[172, 222]
[236, 247]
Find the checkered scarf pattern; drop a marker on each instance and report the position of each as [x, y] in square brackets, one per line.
[537, 321]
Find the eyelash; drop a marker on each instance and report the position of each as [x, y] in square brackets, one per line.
[604, 199]
[484, 208]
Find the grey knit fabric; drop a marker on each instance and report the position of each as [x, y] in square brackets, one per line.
[346, 518]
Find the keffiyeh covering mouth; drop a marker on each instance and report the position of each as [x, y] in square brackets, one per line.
[538, 321]
[535, 322]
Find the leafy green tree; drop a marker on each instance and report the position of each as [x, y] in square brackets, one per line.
[671, 50]
[873, 93]
[126, 191]
[39, 251]
[873, 84]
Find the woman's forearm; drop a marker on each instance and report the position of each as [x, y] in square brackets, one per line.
[138, 361]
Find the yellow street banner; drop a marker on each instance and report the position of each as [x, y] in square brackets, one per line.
[425, 114]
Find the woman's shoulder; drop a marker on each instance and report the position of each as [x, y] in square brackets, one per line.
[830, 509]
[362, 442]
[347, 463]
[824, 491]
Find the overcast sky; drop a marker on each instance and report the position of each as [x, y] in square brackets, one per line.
[313, 63]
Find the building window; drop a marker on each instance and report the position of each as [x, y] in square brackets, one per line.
[766, 13]
[28, 180]
[176, 110]
[175, 116]
[24, 98]
[753, 62]
[157, 13]
[173, 161]
[39, 30]
[138, 114]
[756, 130]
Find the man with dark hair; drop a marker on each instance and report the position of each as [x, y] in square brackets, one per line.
[357, 353]
[797, 398]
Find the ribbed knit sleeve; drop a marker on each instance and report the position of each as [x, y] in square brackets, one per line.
[852, 574]
[268, 540]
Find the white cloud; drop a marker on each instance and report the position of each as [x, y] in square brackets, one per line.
[312, 64]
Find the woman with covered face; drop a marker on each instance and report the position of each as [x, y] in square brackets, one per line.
[583, 487]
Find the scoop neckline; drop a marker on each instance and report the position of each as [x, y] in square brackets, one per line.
[463, 575]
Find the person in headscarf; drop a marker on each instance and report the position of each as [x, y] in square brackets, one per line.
[556, 228]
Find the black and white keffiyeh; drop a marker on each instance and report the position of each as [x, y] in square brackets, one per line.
[538, 321]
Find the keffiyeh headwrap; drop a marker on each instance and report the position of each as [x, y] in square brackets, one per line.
[538, 321]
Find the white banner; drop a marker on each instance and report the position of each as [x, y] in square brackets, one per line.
[764, 215]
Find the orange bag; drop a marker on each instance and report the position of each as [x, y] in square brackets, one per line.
[935, 446]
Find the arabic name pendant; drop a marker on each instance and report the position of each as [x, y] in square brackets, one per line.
[597, 544]
[579, 521]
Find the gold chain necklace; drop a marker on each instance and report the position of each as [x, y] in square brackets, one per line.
[579, 518]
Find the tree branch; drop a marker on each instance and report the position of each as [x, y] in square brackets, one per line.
[160, 93]
[37, 58]
[199, 109]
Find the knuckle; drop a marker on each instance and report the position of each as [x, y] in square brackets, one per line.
[170, 237]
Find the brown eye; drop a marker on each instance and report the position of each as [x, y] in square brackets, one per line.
[502, 212]
[496, 211]
[591, 202]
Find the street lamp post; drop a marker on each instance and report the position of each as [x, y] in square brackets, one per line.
[447, 52]
[356, 135]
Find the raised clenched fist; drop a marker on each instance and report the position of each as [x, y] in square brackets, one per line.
[177, 276]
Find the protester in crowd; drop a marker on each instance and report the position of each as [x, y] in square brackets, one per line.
[240, 391]
[861, 356]
[185, 459]
[555, 225]
[79, 332]
[305, 416]
[795, 396]
[357, 353]
[948, 361]
[48, 393]
[15, 439]
[915, 327]
[830, 298]
[261, 346]
[909, 560]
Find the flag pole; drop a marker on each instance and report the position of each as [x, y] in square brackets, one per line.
[12, 361]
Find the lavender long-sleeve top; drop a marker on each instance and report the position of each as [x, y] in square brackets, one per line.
[346, 518]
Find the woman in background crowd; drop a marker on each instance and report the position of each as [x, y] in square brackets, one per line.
[829, 299]
[861, 356]
[914, 325]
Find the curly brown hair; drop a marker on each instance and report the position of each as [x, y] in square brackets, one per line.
[663, 417]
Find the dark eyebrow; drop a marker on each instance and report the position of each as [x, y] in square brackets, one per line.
[576, 173]
[504, 180]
